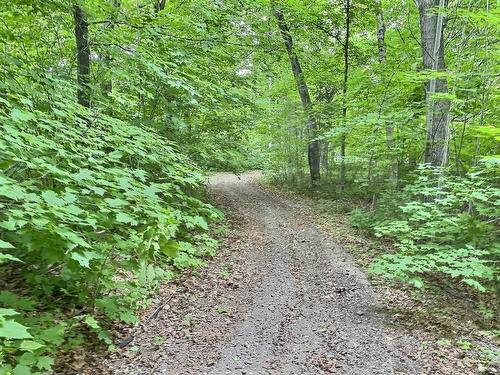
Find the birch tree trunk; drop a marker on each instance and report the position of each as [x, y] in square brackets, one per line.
[380, 32]
[312, 126]
[82, 56]
[432, 24]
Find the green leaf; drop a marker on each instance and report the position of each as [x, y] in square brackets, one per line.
[84, 258]
[52, 198]
[27, 359]
[151, 191]
[74, 210]
[45, 363]
[20, 115]
[6, 245]
[30, 345]
[21, 370]
[97, 190]
[196, 221]
[8, 224]
[4, 257]
[15, 301]
[91, 322]
[122, 217]
[8, 312]
[14, 192]
[475, 284]
[13, 330]
[72, 237]
[105, 337]
[6, 102]
[84, 174]
[416, 281]
[169, 248]
[53, 335]
[128, 316]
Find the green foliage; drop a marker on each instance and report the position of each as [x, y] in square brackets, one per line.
[446, 225]
[92, 213]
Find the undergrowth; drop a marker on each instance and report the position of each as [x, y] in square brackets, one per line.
[442, 229]
[94, 214]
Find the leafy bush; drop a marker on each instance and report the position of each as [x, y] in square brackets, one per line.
[93, 210]
[447, 225]
[360, 219]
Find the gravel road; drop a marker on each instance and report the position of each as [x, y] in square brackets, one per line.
[282, 298]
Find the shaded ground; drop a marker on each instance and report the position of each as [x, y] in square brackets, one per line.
[281, 297]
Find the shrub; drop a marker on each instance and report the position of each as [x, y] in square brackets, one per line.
[447, 225]
[94, 212]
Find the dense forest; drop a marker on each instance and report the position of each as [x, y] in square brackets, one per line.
[112, 112]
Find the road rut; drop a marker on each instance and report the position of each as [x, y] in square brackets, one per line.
[294, 303]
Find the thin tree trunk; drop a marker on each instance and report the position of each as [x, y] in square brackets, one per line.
[382, 54]
[160, 5]
[342, 180]
[380, 32]
[325, 95]
[324, 158]
[107, 86]
[82, 55]
[312, 126]
[432, 24]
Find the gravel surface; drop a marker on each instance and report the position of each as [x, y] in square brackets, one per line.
[281, 298]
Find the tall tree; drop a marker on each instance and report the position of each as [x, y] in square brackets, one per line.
[432, 24]
[312, 125]
[380, 32]
[342, 179]
[382, 55]
[82, 55]
[107, 86]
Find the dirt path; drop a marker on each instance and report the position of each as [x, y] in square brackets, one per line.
[283, 298]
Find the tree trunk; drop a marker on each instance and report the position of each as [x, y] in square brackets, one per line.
[160, 5]
[432, 24]
[107, 86]
[342, 179]
[82, 55]
[312, 126]
[324, 158]
[389, 131]
[380, 32]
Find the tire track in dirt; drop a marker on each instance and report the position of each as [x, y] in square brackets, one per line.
[301, 305]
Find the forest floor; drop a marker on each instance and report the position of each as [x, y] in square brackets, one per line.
[281, 297]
